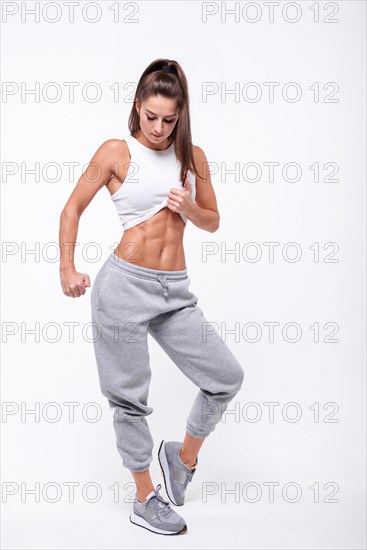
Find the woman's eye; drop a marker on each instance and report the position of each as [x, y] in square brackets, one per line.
[167, 121]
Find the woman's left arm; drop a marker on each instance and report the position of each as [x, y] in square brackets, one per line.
[203, 212]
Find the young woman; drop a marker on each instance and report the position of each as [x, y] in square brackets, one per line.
[158, 182]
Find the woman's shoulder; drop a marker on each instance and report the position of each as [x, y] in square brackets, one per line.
[113, 147]
[114, 143]
[198, 153]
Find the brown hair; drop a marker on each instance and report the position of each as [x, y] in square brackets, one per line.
[155, 82]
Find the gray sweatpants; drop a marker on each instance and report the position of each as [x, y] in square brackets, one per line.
[128, 302]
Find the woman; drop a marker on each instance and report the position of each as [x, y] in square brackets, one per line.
[158, 181]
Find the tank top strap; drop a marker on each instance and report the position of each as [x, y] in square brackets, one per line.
[134, 152]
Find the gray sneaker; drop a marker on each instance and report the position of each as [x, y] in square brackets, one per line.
[156, 515]
[176, 474]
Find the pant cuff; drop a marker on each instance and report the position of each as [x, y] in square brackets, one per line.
[138, 468]
[197, 432]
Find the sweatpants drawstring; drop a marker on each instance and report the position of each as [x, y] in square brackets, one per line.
[162, 279]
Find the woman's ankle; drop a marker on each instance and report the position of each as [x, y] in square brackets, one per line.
[142, 494]
[188, 461]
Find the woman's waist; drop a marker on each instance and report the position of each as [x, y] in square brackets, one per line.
[152, 253]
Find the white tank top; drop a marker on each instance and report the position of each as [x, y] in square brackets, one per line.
[150, 177]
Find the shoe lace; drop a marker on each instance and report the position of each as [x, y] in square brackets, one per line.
[161, 505]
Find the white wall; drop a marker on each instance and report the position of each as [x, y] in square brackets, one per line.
[321, 294]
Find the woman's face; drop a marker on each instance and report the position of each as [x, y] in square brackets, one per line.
[158, 117]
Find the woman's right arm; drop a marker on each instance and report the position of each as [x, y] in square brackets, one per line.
[98, 172]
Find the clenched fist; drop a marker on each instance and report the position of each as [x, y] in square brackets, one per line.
[74, 284]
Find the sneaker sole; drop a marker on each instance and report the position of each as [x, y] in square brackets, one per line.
[165, 471]
[141, 522]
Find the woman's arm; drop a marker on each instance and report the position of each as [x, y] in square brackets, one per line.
[204, 210]
[99, 172]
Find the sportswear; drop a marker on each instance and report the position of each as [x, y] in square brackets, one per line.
[176, 474]
[156, 515]
[150, 177]
[131, 302]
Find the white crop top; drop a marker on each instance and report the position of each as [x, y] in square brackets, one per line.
[151, 175]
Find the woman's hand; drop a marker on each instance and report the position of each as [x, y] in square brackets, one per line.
[180, 201]
[74, 283]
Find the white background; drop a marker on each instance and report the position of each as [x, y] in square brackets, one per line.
[231, 289]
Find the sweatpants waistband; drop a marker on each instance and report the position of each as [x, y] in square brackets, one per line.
[146, 272]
